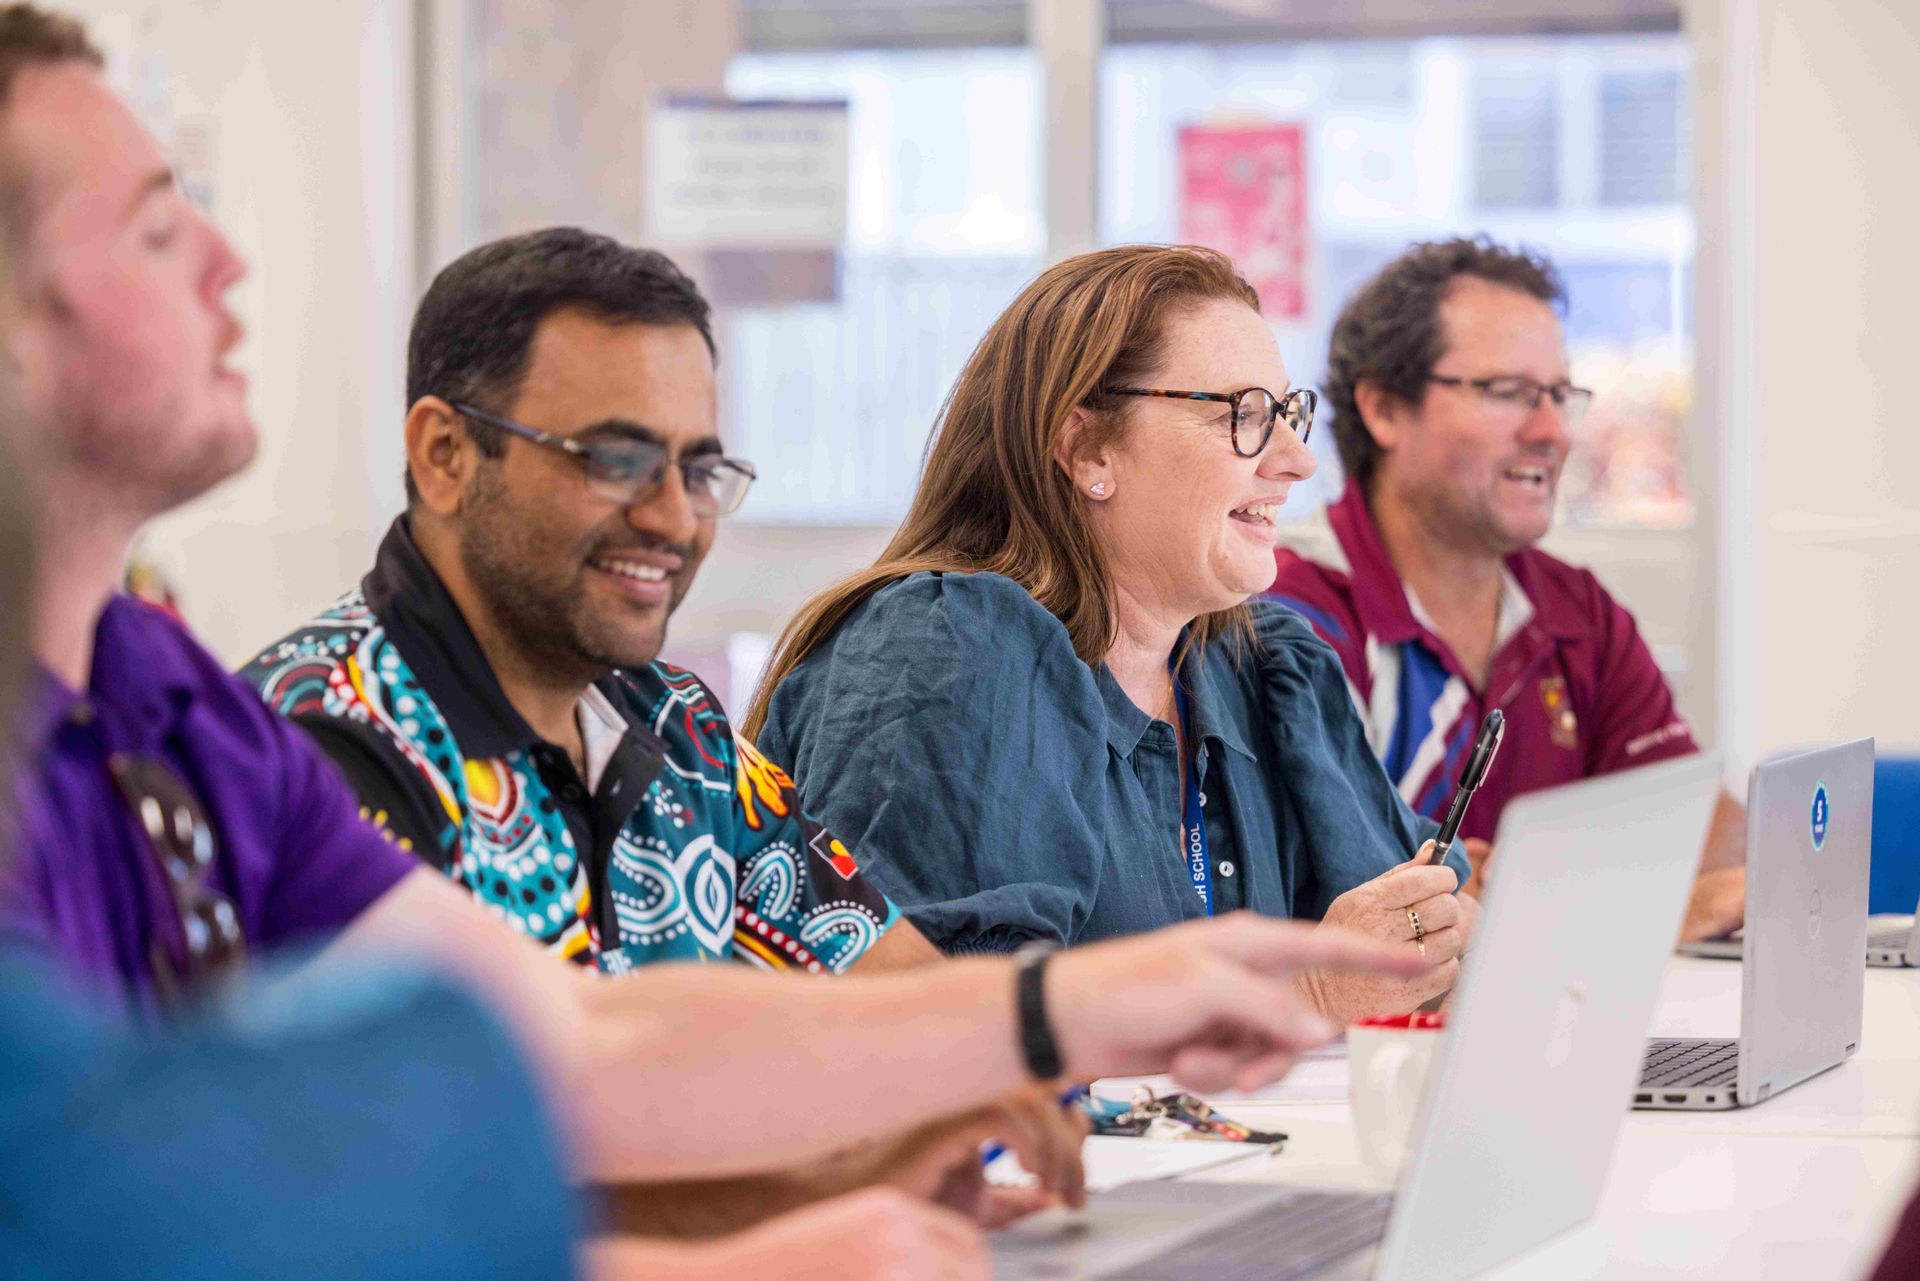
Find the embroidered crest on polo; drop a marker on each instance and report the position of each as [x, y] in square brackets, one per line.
[1818, 815]
[1562, 727]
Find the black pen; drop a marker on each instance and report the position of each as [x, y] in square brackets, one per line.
[1474, 774]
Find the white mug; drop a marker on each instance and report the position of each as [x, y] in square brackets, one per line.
[1388, 1060]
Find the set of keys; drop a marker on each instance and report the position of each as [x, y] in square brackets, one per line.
[1172, 1116]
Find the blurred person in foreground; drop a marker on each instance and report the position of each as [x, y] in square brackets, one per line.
[170, 827]
[1454, 414]
[1049, 712]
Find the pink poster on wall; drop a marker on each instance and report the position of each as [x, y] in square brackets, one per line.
[1243, 191]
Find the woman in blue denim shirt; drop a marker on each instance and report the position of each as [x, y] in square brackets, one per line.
[1049, 712]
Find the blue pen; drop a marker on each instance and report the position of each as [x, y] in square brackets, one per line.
[991, 1152]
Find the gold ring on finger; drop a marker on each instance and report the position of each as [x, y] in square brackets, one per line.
[1419, 930]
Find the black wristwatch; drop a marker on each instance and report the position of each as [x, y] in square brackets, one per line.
[1037, 1045]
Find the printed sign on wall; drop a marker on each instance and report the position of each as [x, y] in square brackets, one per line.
[747, 175]
[1243, 191]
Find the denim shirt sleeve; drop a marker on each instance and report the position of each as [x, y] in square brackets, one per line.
[949, 734]
[1354, 822]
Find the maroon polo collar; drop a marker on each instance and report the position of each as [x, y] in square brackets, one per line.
[1380, 597]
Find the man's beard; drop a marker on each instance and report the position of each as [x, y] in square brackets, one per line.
[154, 470]
[546, 616]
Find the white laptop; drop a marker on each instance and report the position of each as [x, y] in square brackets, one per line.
[1803, 986]
[1522, 1111]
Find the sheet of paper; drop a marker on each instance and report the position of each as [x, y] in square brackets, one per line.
[1112, 1161]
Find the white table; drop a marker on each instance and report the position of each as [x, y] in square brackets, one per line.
[1806, 1185]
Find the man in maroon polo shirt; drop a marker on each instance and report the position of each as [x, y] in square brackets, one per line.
[1453, 409]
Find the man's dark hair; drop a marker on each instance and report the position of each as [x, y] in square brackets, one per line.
[1389, 333]
[33, 37]
[473, 332]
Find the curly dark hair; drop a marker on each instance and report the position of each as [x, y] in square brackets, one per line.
[1389, 332]
[473, 331]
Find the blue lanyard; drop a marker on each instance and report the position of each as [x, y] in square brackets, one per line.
[1193, 824]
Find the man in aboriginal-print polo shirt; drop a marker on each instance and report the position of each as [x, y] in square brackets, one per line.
[490, 689]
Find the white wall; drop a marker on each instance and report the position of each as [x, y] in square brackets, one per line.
[1810, 268]
[306, 108]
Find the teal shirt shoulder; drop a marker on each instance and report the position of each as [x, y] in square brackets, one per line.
[1000, 790]
[375, 1127]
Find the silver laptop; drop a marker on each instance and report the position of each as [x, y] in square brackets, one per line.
[1893, 942]
[1503, 1159]
[1803, 987]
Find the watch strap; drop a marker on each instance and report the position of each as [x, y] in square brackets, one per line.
[1037, 1044]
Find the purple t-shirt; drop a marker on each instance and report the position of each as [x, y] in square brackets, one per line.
[294, 854]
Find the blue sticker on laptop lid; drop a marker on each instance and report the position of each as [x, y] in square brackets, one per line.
[1817, 819]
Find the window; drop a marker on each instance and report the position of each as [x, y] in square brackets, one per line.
[1642, 127]
[1516, 137]
[1571, 144]
[834, 401]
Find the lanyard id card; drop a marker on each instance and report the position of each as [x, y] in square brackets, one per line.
[1193, 823]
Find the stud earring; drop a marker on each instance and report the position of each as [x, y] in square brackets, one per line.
[1098, 489]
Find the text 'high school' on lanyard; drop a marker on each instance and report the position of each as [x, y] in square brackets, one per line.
[1193, 824]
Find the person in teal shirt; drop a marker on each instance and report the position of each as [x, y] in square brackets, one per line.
[332, 1129]
[1048, 712]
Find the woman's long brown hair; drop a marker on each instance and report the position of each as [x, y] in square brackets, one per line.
[992, 498]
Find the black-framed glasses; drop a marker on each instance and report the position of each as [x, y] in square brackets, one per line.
[1255, 410]
[1520, 395]
[182, 842]
[623, 470]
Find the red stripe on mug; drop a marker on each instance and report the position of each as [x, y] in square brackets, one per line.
[1406, 1022]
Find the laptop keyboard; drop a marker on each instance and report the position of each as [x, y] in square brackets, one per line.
[1891, 937]
[1690, 1062]
[1296, 1238]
